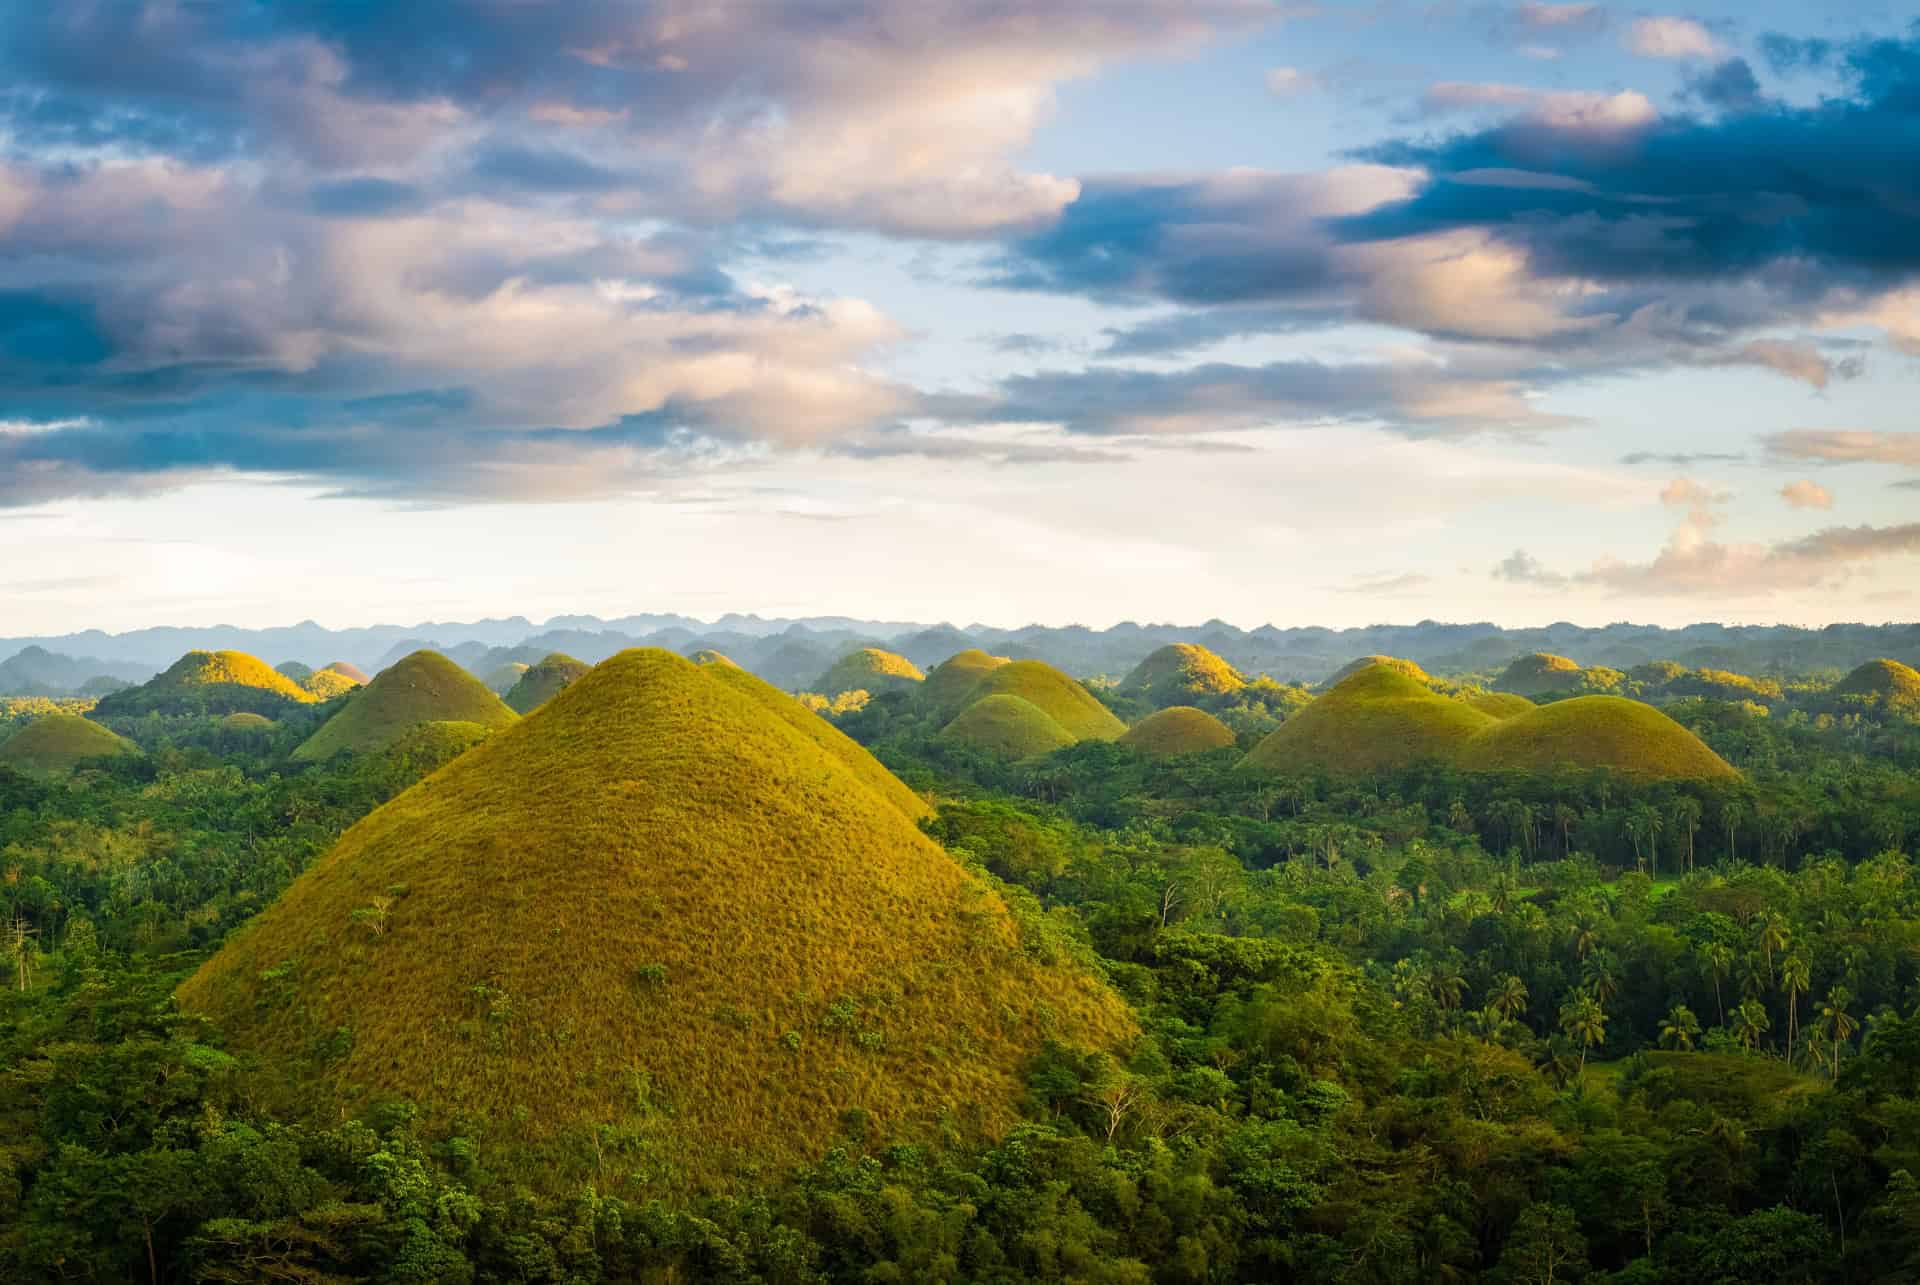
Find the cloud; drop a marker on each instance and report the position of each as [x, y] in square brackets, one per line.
[1522, 568]
[1806, 494]
[1692, 564]
[1671, 38]
[1846, 446]
[1560, 17]
[1801, 361]
[1291, 82]
[1682, 460]
[1387, 585]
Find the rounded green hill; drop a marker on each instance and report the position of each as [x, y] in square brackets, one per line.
[426, 687]
[1624, 736]
[1405, 668]
[1540, 674]
[246, 723]
[1007, 726]
[954, 679]
[869, 670]
[294, 670]
[708, 656]
[659, 907]
[325, 684]
[1178, 729]
[1058, 696]
[1887, 683]
[1375, 720]
[1180, 673]
[1499, 704]
[501, 679]
[206, 683]
[544, 681]
[59, 743]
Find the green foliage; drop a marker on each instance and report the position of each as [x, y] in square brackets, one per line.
[207, 683]
[426, 687]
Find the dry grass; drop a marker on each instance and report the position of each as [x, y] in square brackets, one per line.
[346, 669]
[1375, 720]
[953, 680]
[1007, 726]
[661, 912]
[325, 684]
[209, 682]
[1890, 683]
[1499, 704]
[1180, 729]
[544, 681]
[246, 723]
[59, 743]
[426, 687]
[1404, 667]
[869, 670]
[1625, 736]
[1540, 674]
[1058, 696]
[1180, 672]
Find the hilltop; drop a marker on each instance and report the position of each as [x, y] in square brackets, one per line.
[1376, 719]
[426, 687]
[1624, 736]
[1888, 683]
[1063, 700]
[1178, 729]
[657, 906]
[870, 670]
[1180, 673]
[544, 681]
[1499, 704]
[59, 743]
[1405, 668]
[1540, 674]
[502, 679]
[954, 678]
[212, 683]
[1007, 726]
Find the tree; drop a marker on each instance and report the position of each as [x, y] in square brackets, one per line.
[1774, 936]
[1643, 828]
[1585, 1023]
[1679, 1029]
[1795, 979]
[1750, 1022]
[1717, 962]
[1836, 1024]
[1600, 975]
[1685, 813]
[1546, 1247]
[1508, 996]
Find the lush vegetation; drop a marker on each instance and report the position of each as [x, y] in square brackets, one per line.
[1414, 1024]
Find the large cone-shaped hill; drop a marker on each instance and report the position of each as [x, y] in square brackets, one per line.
[209, 682]
[1891, 684]
[954, 679]
[325, 684]
[1540, 674]
[1178, 729]
[1007, 726]
[869, 670]
[1395, 663]
[1611, 732]
[1062, 699]
[1180, 673]
[426, 687]
[544, 681]
[60, 743]
[660, 906]
[1375, 720]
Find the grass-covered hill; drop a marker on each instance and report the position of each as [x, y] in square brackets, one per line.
[501, 679]
[544, 681]
[1180, 673]
[1625, 736]
[1007, 726]
[1178, 729]
[246, 723]
[1887, 684]
[1499, 704]
[1375, 720]
[1405, 668]
[951, 681]
[1540, 674]
[293, 670]
[708, 656]
[869, 670]
[1062, 699]
[346, 669]
[214, 683]
[325, 684]
[426, 687]
[59, 743]
[662, 912]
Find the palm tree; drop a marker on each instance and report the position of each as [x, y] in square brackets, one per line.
[1679, 1028]
[1643, 828]
[1750, 1022]
[1564, 816]
[1598, 974]
[1732, 813]
[1717, 960]
[1774, 936]
[1508, 996]
[1796, 980]
[1503, 890]
[1445, 984]
[1585, 1023]
[1586, 933]
[1836, 1024]
[1686, 820]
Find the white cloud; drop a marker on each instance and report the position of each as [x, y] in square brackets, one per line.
[1847, 446]
[1291, 82]
[1806, 494]
[1671, 38]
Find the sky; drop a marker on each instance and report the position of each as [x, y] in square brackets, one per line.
[968, 310]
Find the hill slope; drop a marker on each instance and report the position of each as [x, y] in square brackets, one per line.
[660, 906]
[1499, 704]
[426, 687]
[1886, 682]
[869, 670]
[1007, 726]
[1180, 673]
[1058, 696]
[1623, 735]
[60, 743]
[208, 683]
[1178, 729]
[1406, 668]
[953, 679]
[544, 681]
[1540, 674]
[1375, 720]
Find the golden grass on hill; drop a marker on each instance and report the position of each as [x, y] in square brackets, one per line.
[657, 906]
[59, 743]
[1405, 668]
[1062, 699]
[954, 679]
[1626, 736]
[869, 670]
[426, 687]
[246, 723]
[1375, 720]
[1007, 726]
[346, 669]
[1894, 685]
[501, 679]
[708, 656]
[1498, 704]
[1721, 684]
[1180, 672]
[544, 681]
[208, 682]
[1540, 674]
[325, 684]
[1656, 673]
[1178, 729]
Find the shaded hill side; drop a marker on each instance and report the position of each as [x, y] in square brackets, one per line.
[1540, 674]
[501, 679]
[659, 906]
[1062, 699]
[1180, 673]
[208, 683]
[426, 687]
[951, 681]
[1007, 726]
[59, 743]
[1178, 729]
[869, 670]
[1375, 720]
[1625, 736]
[544, 681]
